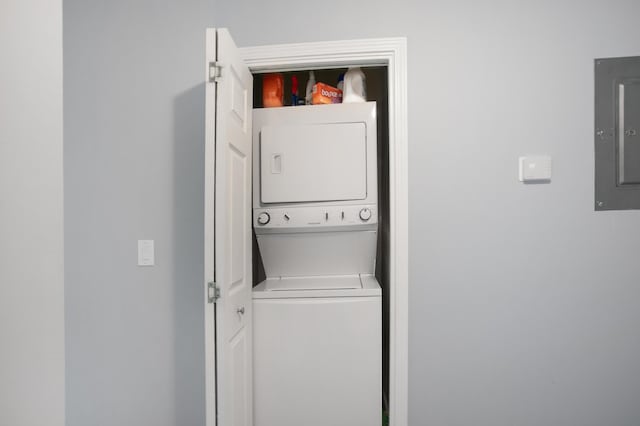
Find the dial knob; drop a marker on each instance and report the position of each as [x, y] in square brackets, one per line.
[264, 218]
[365, 214]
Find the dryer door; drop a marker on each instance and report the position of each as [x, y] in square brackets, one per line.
[313, 162]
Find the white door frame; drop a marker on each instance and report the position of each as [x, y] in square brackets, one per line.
[390, 52]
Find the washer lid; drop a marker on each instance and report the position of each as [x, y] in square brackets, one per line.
[313, 283]
[325, 286]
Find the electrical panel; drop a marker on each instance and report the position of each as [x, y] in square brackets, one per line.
[617, 133]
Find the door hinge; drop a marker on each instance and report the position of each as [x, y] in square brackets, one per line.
[213, 292]
[215, 72]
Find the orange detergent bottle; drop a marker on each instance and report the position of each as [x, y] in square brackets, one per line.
[272, 90]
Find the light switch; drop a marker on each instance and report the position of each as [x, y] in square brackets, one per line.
[146, 256]
[535, 168]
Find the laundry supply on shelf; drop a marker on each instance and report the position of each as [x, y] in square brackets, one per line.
[341, 82]
[325, 94]
[272, 90]
[309, 91]
[294, 90]
[355, 86]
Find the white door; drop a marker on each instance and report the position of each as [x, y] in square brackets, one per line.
[228, 325]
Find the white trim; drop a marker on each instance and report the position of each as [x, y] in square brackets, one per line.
[391, 52]
[209, 232]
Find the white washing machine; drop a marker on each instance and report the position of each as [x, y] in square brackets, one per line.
[317, 352]
[317, 317]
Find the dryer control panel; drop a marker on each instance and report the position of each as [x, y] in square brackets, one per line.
[307, 219]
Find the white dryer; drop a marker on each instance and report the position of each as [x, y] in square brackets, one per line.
[317, 316]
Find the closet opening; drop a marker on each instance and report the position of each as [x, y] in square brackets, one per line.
[377, 91]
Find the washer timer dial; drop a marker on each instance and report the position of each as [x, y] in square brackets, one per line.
[263, 218]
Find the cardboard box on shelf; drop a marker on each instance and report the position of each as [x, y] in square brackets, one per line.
[325, 94]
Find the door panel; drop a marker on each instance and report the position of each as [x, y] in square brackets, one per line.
[237, 200]
[238, 283]
[239, 369]
[239, 104]
[230, 188]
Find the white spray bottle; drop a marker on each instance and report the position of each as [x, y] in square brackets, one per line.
[355, 86]
[309, 91]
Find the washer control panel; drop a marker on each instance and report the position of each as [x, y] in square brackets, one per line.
[313, 217]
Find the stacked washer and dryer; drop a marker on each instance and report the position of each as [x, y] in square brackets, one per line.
[318, 314]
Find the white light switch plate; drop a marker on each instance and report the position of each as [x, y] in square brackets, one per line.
[146, 255]
[535, 168]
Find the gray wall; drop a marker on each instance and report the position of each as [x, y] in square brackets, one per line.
[524, 302]
[134, 132]
[31, 237]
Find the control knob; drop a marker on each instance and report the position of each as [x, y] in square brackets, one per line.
[365, 214]
[263, 218]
